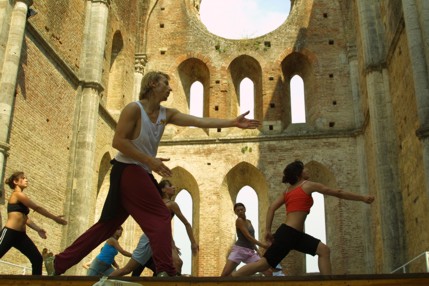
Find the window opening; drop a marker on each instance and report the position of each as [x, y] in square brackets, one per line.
[180, 236]
[297, 99]
[248, 197]
[196, 102]
[315, 226]
[247, 97]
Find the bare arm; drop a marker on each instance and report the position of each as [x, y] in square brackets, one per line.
[270, 215]
[113, 242]
[241, 224]
[115, 264]
[124, 134]
[176, 209]
[181, 119]
[339, 193]
[30, 204]
[33, 225]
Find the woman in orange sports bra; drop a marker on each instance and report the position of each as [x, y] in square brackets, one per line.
[290, 235]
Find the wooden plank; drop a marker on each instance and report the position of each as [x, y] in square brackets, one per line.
[421, 279]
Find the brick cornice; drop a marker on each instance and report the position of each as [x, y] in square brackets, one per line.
[4, 148]
[264, 137]
[27, 2]
[107, 2]
[92, 84]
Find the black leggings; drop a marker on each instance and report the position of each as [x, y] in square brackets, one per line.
[149, 264]
[12, 238]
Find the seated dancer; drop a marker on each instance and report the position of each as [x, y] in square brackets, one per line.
[143, 252]
[244, 249]
[290, 235]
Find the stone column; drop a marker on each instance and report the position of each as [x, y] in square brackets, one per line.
[416, 16]
[423, 8]
[139, 66]
[6, 9]
[361, 159]
[81, 186]
[389, 199]
[9, 71]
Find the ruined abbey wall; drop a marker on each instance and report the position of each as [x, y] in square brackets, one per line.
[364, 130]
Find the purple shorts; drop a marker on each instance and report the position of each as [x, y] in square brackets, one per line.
[243, 254]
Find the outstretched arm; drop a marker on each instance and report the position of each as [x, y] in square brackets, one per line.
[176, 209]
[181, 119]
[339, 193]
[30, 204]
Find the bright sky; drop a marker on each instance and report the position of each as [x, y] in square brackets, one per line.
[238, 19]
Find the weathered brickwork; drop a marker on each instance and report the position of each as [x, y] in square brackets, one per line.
[325, 42]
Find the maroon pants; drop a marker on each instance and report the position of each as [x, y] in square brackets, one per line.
[140, 199]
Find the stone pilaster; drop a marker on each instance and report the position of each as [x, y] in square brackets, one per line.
[81, 190]
[418, 44]
[388, 193]
[9, 71]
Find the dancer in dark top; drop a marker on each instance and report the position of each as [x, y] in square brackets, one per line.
[14, 232]
[244, 249]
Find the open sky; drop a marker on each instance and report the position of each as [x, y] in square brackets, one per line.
[238, 19]
[243, 19]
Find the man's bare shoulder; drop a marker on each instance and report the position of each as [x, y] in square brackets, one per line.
[171, 112]
[131, 108]
[132, 105]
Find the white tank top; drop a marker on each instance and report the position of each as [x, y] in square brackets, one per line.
[148, 140]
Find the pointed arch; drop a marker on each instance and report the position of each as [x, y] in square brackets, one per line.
[190, 71]
[184, 180]
[241, 175]
[297, 66]
[240, 68]
[115, 91]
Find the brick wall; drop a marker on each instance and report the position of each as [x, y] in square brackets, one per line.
[313, 42]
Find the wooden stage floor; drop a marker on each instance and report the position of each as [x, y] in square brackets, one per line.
[419, 279]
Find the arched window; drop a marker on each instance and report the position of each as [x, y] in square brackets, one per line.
[315, 226]
[115, 89]
[196, 102]
[247, 97]
[248, 197]
[297, 99]
[184, 200]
